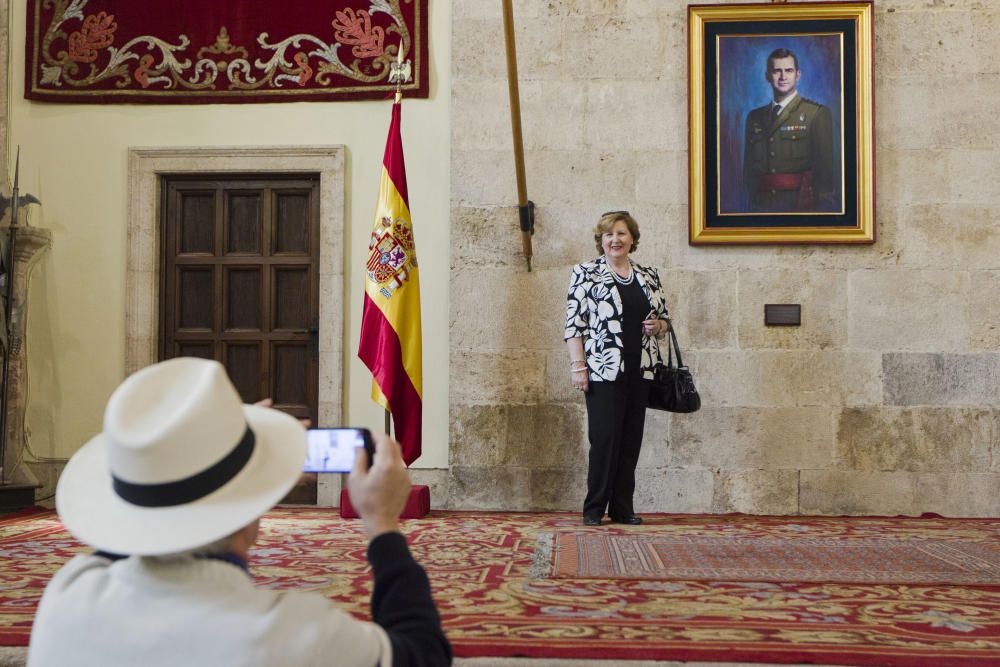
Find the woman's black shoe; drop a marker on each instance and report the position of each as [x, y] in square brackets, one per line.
[592, 521]
[632, 520]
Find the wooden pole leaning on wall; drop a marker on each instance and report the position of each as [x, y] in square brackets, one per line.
[526, 208]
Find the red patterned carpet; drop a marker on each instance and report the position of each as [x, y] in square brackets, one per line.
[491, 574]
[845, 559]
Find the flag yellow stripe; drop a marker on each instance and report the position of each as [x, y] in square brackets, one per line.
[402, 310]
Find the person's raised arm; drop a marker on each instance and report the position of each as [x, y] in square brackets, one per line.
[401, 598]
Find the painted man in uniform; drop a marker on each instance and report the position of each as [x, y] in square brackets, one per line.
[788, 159]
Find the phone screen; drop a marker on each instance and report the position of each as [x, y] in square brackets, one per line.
[333, 449]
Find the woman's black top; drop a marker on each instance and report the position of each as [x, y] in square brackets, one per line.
[635, 309]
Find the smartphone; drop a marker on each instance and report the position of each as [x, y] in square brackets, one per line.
[333, 449]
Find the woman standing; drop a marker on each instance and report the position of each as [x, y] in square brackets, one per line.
[614, 309]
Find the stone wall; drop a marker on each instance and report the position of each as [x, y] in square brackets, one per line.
[885, 401]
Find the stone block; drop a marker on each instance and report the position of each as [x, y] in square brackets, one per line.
[853, 492]
[497, 377]
[577, 178]
[760, 438]
[916, 439]
[703, 306]
[907, 103]
[477, 435]
[822, 295]
[489, 488]
[484, 178]
[546, 435]
[612, 47]
[756, 492]
[634, 115]
[941, 379]
[485, 236]
[553, 115]
[661, 178]
[913, 176]
[984, 310]
[475, 44]
[908, 310]
[663, 11]
[508, 308]
[540, 47]
[438, 480]
[480, 115]
[950, 236]
[776, 378]
[973, 177]
[924, 41]
[684, 491]
[959, 494]
[656, 445]
[557, 489]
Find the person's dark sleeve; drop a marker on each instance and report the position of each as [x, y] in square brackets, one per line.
[403, 606]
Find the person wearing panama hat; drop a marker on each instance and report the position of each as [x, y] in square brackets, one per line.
[178, 480]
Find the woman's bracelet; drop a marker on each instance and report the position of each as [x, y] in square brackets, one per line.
[574, 362]
[578, 370]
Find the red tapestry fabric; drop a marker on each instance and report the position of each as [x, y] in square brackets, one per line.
[497, 598]
[192, 51]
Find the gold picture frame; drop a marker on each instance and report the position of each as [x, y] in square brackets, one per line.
[781, 123]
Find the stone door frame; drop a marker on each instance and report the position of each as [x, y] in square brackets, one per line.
[142, 282]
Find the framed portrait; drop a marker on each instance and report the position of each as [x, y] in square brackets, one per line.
[781, 123]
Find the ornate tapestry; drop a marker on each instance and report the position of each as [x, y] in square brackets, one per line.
[192, 51]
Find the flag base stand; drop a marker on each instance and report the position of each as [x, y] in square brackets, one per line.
[418, 504]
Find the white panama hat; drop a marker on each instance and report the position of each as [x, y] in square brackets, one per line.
[181, 463]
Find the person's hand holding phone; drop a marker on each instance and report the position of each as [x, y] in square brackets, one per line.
[379, 493]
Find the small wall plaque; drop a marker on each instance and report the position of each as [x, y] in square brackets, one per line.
[782, 314]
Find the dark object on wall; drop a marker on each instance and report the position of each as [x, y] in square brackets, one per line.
[782, 314]
[225, 51]
[8, 329]
[673, 386]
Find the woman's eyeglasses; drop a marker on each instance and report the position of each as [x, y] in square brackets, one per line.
[607, 213]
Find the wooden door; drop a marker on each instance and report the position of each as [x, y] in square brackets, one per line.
[240, 283]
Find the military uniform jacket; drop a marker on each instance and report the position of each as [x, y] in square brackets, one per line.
[800, 139]
[594, 312]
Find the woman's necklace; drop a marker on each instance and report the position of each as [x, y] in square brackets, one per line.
[627, 280]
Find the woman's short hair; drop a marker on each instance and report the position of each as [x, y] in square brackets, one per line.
[608, 221]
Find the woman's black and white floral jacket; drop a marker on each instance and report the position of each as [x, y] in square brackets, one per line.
[594, 312]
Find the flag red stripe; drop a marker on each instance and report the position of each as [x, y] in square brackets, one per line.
[381, 352]
[393, 158]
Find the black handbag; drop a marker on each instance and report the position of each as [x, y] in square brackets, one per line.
[673, 386]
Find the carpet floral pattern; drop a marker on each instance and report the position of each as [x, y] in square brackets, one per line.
[493, 581]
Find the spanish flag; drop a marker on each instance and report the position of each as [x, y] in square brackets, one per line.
[390, 325]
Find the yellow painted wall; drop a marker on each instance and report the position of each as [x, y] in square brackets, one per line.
[73, 157]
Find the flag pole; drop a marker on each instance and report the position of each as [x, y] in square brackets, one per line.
[397, 99]
[526, 208]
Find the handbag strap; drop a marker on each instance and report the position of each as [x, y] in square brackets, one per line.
[674, 347]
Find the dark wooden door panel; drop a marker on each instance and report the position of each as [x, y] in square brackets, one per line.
[197, 223]
[240, 283]
[195, 299]
[243, 293]
[291, 212]
[291, 311]
[244, 222]
[243, 363]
